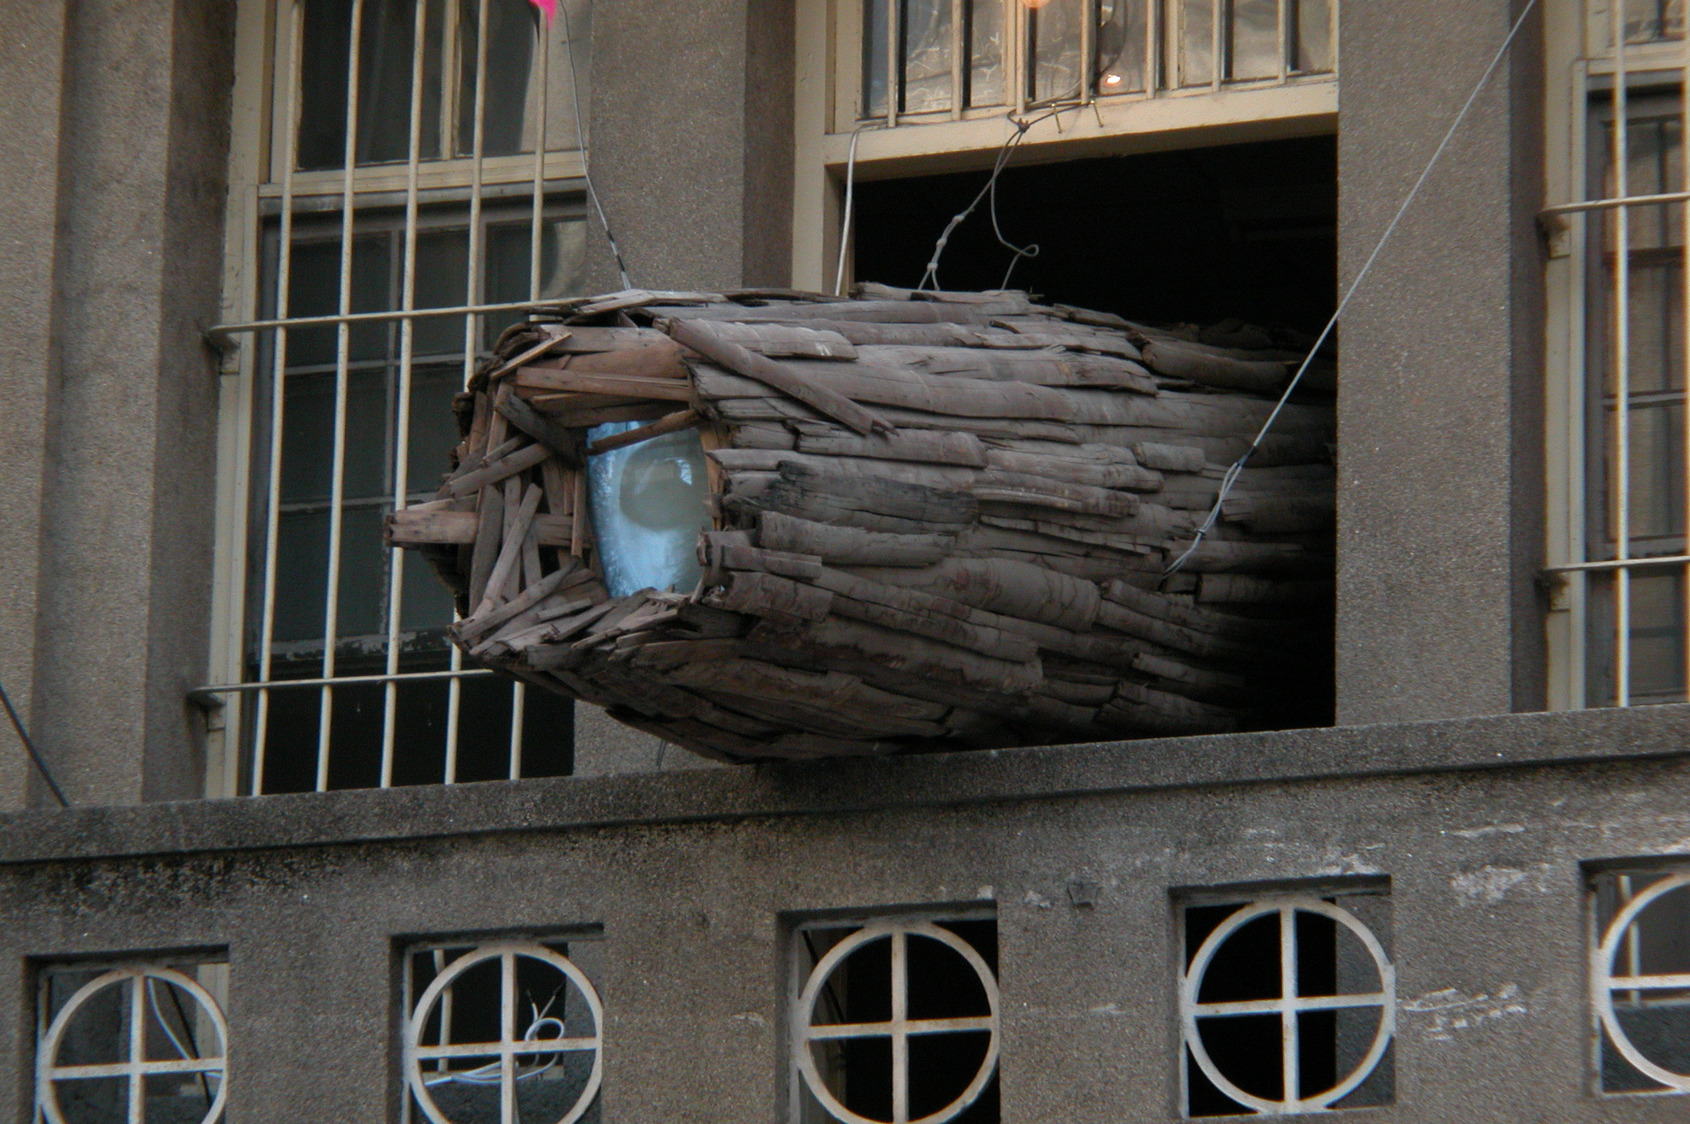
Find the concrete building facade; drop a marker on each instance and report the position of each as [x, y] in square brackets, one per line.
[1473, 838]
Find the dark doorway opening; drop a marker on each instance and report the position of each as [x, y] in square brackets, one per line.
[1193, 236]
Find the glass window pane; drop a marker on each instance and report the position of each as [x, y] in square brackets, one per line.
[874, 57]
[1121, 46]
[1313, 36]
[1254, 39]
[442, 281]
[326, 45]
[1196, 31]
[927, 55]
[386, 41]
[302, 568]
[433, 428]
[564, 51]
[648, 508]
[1657, 476]
[1657, 637]
[363, 576]
[1054, 28]
[986, 80]
[511, 31]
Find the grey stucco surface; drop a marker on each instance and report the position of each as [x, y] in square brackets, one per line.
[1439, 411]
[692, 142]
[696, 878]
[32, 34]
[108, 579]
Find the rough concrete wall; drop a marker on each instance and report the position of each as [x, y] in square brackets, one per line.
[695, 879]
[1441, 371]
[130, 415]
[31, 59]
[691, 140]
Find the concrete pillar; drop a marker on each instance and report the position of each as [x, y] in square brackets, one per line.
[1439, 413]
[32, 48]
[113, 258]
[691, 141]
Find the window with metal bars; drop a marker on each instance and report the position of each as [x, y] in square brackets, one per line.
[1619, 561]
[128, 1042]
[406, 182]
[943, 57]
[1640, 986]
[1287, 1001]
[894, 1020]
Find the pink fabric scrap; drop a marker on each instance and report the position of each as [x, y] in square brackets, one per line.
[547, 6]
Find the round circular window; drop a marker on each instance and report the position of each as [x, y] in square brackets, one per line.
[506, 1031]
[1642, 978]
[1288, 1005]
[132, 1039]
[898, 1021]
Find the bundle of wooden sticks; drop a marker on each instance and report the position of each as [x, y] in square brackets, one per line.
[926, 520]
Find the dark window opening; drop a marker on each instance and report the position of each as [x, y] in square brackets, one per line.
[1241, 233]
[1199, 235]
[551, 1010]
[1643, 932]
[1235, 998]
[950, 1071]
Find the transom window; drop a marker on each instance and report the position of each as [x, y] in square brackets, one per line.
[1287, 1005]
[895, 1021]
[939, 59]
[134, 1043]
[1640, 984]
[405, 183]
[1617, 240]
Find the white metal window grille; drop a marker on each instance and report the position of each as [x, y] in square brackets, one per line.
[134, 1043]
[1640, 980]
[896, 1022]
[406, 183]
[499, 1033]
[940, 59]
[1618, 552]
[1287, 1005]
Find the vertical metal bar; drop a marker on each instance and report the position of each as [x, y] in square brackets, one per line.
[1153, 23]
[137, 1050]
[959, 48]
[1290, 1044]
[1018, 59]
[342, 377]
[519, 701]
[1622, 366]
[1220, 20]
[894, 59]
[1286, 45]
[1633, 945]
[507, 1038]
[454, 709]
[278, 378]
[538, 204]
[451, 77]
[900, 1027]
[402, 427]
[472, 321]
[519, 696]
[1088, 51]
[445, 1036]
[1684, 355]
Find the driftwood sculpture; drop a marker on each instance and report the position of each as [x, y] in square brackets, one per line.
[777, 525]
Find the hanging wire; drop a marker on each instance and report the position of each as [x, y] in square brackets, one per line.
[29, 747]
[850, 205]
[1237, 467]
[1010, 144]
[581, 139]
